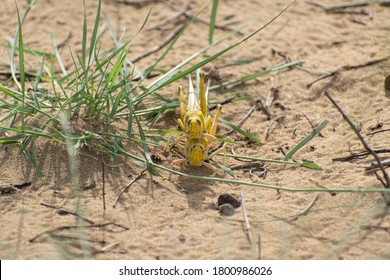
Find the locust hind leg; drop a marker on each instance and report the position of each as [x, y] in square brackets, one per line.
[203, 94]
[175, 141]
[166, 146]
[220, 150]
[176, 162]
[183, 103]
[212, 167]
[214, 124]
[181, 124]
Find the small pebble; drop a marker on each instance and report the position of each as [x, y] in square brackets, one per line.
[182, 238]
[228, 199]
[227, 210]
[387, 86]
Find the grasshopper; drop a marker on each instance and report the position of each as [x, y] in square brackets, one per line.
[198, 127]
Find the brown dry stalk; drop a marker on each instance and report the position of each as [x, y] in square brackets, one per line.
[63, 212]
[104, 188]
[248, 227]
[204, 21]
[166, 41]
[128, 186]
[63, 228]
[371, 151]
[360, 155]
[138, 2]
[347, 68]
[338, 7]
[165, 21]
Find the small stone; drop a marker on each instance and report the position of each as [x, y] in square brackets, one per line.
[228, 199]
[227, 210]
[387, 86]
[7, 188]
[123, 251]
[182, 238]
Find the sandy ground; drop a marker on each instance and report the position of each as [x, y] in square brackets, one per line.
[154, 220]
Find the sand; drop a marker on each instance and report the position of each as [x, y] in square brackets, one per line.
[154, 219]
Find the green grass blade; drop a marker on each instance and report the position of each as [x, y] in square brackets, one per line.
[7, 142]
[166, 79]
[21, 65]
[144, 22]
[94, 34]
[269, 70]
[29, 141]
[253, 76]
[218, 54]
[273, 187]
[311, 165]
[10, 92]
[239, 130]
[212, 21]
[117, 67]
[36, 84]
[13, 49]
[173, 42]
[32, 158]
[83, 60]
[129, 102]
[57, 54]
[149, 161]
[305, 140]
[306, 164]
[224, 168]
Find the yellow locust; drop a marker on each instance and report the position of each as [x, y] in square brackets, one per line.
[198, 127]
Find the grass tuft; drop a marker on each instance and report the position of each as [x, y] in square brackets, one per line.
[102, 88]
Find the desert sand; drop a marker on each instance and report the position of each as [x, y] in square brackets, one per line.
[154, 219]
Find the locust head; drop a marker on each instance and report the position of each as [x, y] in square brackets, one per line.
[195, 125]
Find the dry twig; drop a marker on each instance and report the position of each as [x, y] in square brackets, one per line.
[223, 102]
[312, 125]
[128, 186]
[63, 212]
[160, 46]
[248, 227]
[386, 184]
[63, 42]
[308, 207]
[347, 68]
[378, 131]
[338, 7]
[373, 166]
[104, 188]
[242, 121]
[165, 21]
[204, 21]
[360, 155]
[76, 227]
[138, 2]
